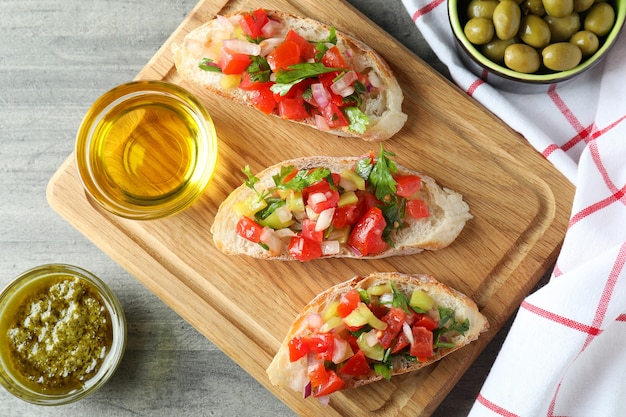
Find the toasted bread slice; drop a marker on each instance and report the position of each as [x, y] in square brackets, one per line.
[448, 214]
[284, 372]
[382, 105]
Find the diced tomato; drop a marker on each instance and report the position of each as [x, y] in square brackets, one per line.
[357, 365]
[327, 80]
[417, 209]
[407, 185]
[231, 62]
[348, 302]
[318, 374]
[249, 229]
[334, 116]
[394, 319]
[422, 346]
[252, 23]
[347, 215]
[332, 198]
[307, 49]
[335, 383]
[401, 343]
[292, 109]
[321, 344]
[308, 231]
[366, 236]
[333, 58]
[424, 320]
[248, 85]
[304, 249]
[369, 200]
[284, 55]
[379, 310]
[352, 341]
[263, 99]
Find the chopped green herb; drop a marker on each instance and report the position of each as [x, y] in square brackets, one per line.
[383, 370]
[381, 177]
[299, 72]
[301, 180]
[259, 69]
[209, 65]
[400, 300]
[358, 120]
[365, 297]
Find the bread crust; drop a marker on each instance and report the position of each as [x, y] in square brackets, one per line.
[383, 109]
[449, 214]
[285, 373]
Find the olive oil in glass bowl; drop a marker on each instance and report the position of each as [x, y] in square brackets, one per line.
[146, 150]
[62, 334]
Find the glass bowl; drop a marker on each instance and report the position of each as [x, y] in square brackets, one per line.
[501, 77]
[146, 150]
[62, 334]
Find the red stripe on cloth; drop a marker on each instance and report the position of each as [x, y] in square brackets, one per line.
[607, 293]
[495, 408]
[621, 317]
[560, 319]
[426, 9]
[619, 195]
[565, 110]
[548, 151]
[472, 89]
[597, 158]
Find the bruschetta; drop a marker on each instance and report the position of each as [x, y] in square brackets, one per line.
[358, 207]
[373, 327]
[295, 68]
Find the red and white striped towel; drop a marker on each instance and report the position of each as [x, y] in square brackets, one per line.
[565, 353]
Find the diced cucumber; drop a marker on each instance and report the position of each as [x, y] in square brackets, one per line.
[379, 290]
[376, 352]
[354, 178]
[421, 300]
[330, 311]
[347, 198]
[250, 206]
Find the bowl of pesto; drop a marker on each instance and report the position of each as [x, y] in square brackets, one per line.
[62, 334]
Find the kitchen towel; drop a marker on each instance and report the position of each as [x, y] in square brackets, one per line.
[564, 354]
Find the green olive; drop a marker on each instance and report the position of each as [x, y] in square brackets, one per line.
[522, 58]
[506, 19]
[494, 50]
[582, 5]
[561, 56]
[534, 31]
[534, 7]
[559, 8]
[600, 19]
[479, 30]
[481, 8]
[587, 41]
[562, 28]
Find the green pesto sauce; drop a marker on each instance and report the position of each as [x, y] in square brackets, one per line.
[59, 336]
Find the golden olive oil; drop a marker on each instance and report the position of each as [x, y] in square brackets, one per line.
[146, 150]
[149, 151]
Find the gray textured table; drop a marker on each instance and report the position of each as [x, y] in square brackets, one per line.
[56, 58]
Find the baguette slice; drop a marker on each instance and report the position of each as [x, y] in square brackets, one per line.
[383, 107]
[283, 372]
[448, 216]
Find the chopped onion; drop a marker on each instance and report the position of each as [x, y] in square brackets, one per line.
[408, 332]
[243, 47]
[307, 390]
[316, 198]
[341, 350]
[269, 44]
[320, 94]
[271, 28]
[286, 232]
[330, 247]
[225, 23]
[371, 337]
[315, 321]
[346, 184]
[321, 123]
[325, 219]
[272, 240]
[310, 213]
[344, 85]
[324, 400]
[374, 79]
[386, 298]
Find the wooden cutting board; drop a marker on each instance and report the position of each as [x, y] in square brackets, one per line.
[519, 201]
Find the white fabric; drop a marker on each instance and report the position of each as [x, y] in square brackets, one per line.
[565, 353]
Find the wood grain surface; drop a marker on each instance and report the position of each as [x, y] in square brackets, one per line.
[58, 57]
[519, 201]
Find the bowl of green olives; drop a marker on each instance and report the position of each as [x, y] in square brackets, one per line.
[524, 46]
